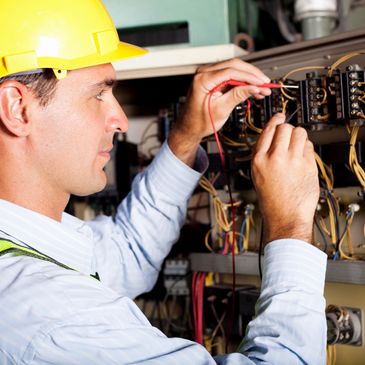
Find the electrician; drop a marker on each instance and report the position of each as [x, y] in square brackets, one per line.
[58, 116]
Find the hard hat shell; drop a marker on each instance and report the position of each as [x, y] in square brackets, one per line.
[58, 34]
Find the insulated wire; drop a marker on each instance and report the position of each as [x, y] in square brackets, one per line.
[353, 160]
[343, 59]
[232, 213]
[333, 208]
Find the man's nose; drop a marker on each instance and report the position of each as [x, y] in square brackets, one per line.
[117, 120]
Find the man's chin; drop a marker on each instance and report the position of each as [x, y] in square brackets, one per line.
[89, 190]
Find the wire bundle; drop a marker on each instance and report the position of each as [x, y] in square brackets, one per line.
[333, 206]
[353, 160]
[222, 222]
[347, 233]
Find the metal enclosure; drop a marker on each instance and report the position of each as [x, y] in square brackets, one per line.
[209, 21]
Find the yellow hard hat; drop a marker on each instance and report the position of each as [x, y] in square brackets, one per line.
[58, 34]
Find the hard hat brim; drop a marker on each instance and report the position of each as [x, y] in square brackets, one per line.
[61, 66]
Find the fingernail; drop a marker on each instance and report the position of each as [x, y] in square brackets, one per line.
[279, 115]
[266, 79]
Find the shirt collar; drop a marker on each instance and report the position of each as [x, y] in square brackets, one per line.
[69, 241]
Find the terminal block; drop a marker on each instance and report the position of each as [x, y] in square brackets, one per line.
[353, 90]
[236, 121]
[314, 113]
[335, 98]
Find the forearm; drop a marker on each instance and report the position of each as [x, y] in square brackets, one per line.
[183, 147]
[131, 250]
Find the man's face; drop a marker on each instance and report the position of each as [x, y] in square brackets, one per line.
[73, 135]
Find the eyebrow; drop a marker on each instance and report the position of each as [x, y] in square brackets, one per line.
[107, 83]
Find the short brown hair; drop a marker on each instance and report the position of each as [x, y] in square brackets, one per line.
[42, 84]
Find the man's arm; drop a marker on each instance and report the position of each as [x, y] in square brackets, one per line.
[129, 252]
[290, 327]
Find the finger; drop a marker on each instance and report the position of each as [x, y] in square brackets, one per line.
[308, 150]
[212, 79]
[281, 139]
[237, 95]
[264, 91]
[298, 141]
[264, 142]
[237, 64]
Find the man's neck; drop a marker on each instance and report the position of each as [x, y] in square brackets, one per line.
[41, 204]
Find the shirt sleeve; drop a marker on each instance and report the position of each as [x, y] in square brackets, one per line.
[290, 324]
[96, 326]
[129, 250]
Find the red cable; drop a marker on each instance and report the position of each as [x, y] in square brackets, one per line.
[200, 303]
[198, 283]
[242, 83]
[193, 299]
[221, 155]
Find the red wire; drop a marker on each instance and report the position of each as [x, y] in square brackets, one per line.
[193, 296]
[242, 83]
[221, 155]
[200, 297]
[198, 282]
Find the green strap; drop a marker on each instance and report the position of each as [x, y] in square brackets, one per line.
[7, 246]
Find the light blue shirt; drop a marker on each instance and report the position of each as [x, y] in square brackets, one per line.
[50, 315]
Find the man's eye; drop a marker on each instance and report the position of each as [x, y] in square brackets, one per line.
[100, 95]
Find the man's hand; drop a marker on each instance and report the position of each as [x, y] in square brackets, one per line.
[286, 179]
[195, 124]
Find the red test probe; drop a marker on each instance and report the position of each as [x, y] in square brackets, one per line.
[242, 83]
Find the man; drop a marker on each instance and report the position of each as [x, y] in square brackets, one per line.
[58, 117]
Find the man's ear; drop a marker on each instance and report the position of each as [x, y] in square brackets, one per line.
[13, 100]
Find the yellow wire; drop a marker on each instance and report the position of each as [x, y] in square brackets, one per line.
[282, 89]
[323, 117]
[353, 161]
[324, 100]
[327, 175]
[206, 241]
[230, 234]
[302, 69]
[343, 59]
[285, 103]
[247, 234]
[362, 97]
[231, 142]
[325, 172]
[250, 125]
[324, 227]
[222, 222]
[342, 254]
[332, 222]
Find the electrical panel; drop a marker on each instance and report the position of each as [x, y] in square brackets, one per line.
[329, 102]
